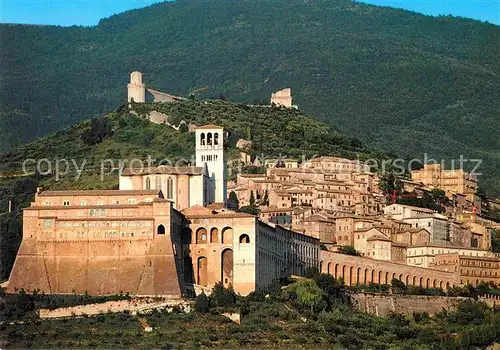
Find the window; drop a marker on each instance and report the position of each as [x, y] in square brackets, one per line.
[116, 202]
[170, 188]
[216, 139]
[99, 203]
[148, 183]
[209, 139]
[66, 203]
[131, 201]
[244, 238]
[83, 203]
[47, 203]
[202, 139]
[160, 230]
[157, 183]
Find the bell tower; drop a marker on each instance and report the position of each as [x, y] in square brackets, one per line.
[210, 151]
[136, 88]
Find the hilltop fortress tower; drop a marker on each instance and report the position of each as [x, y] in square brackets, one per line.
[210, 152]
[136, 88]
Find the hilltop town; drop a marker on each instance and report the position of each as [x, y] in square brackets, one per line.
[169, 230]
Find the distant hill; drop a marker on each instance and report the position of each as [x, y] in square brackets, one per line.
[402, 82]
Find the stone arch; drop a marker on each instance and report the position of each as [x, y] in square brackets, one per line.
[201, 235]
[351, 270]
[365, 281]
[209, 139]
[244, 238]
[401, 277]
[447, 285]
[202, 139]
[434, 284]
[407, 280]
[387, 278]
[227, 267]
[214, 235]
[358, 273]
[414, 281]
[343, 273]
[227, 235]
[393, 276]
[202, 275]
[379, 277]
[441, 284]
[321, 267]
[328, 268]
[336, 271]
[372, 278]
[160, 230]
[421, 284]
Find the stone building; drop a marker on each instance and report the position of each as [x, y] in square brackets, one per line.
[425, 255]
[451, 181]
[470, 269]
[100, 242]
[239, 249]
[185, 186]
[136, 88]
[282, 98]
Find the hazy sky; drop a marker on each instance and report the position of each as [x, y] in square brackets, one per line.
[88, 12]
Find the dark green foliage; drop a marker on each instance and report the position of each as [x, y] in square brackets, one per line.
[233, 201]
[252, 199]
[249, 209]
[202, 304]
[221, 296]
[398, 287]
[495, 241]
[99, 129]
[349, 250]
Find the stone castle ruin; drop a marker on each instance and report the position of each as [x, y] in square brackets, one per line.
[139, 93]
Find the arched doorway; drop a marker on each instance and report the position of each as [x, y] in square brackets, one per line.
[202, 271]
[227, 235]
[227, 267]
[336, 271]
[329, 268]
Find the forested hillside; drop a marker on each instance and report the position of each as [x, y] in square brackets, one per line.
[403, 82]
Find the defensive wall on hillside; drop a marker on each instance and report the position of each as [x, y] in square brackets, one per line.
[382, 305]
[360, 270]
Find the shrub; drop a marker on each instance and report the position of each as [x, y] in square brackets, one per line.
[221, 296]
[202, 304]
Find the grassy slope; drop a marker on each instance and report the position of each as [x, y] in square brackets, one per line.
[401, 81]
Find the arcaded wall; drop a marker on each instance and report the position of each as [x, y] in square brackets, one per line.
[361, 270]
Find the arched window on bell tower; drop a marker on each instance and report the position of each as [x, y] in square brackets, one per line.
[209, 139]
[202, 139]
[216, 139]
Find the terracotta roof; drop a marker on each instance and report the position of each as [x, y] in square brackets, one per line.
[209, 126]
[98, 193]
[378, 238]
[163, 169]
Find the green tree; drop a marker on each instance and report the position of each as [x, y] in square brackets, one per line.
[252, 199]
[349, 250]
[202, 304]
[389, 185]
[233, 201]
